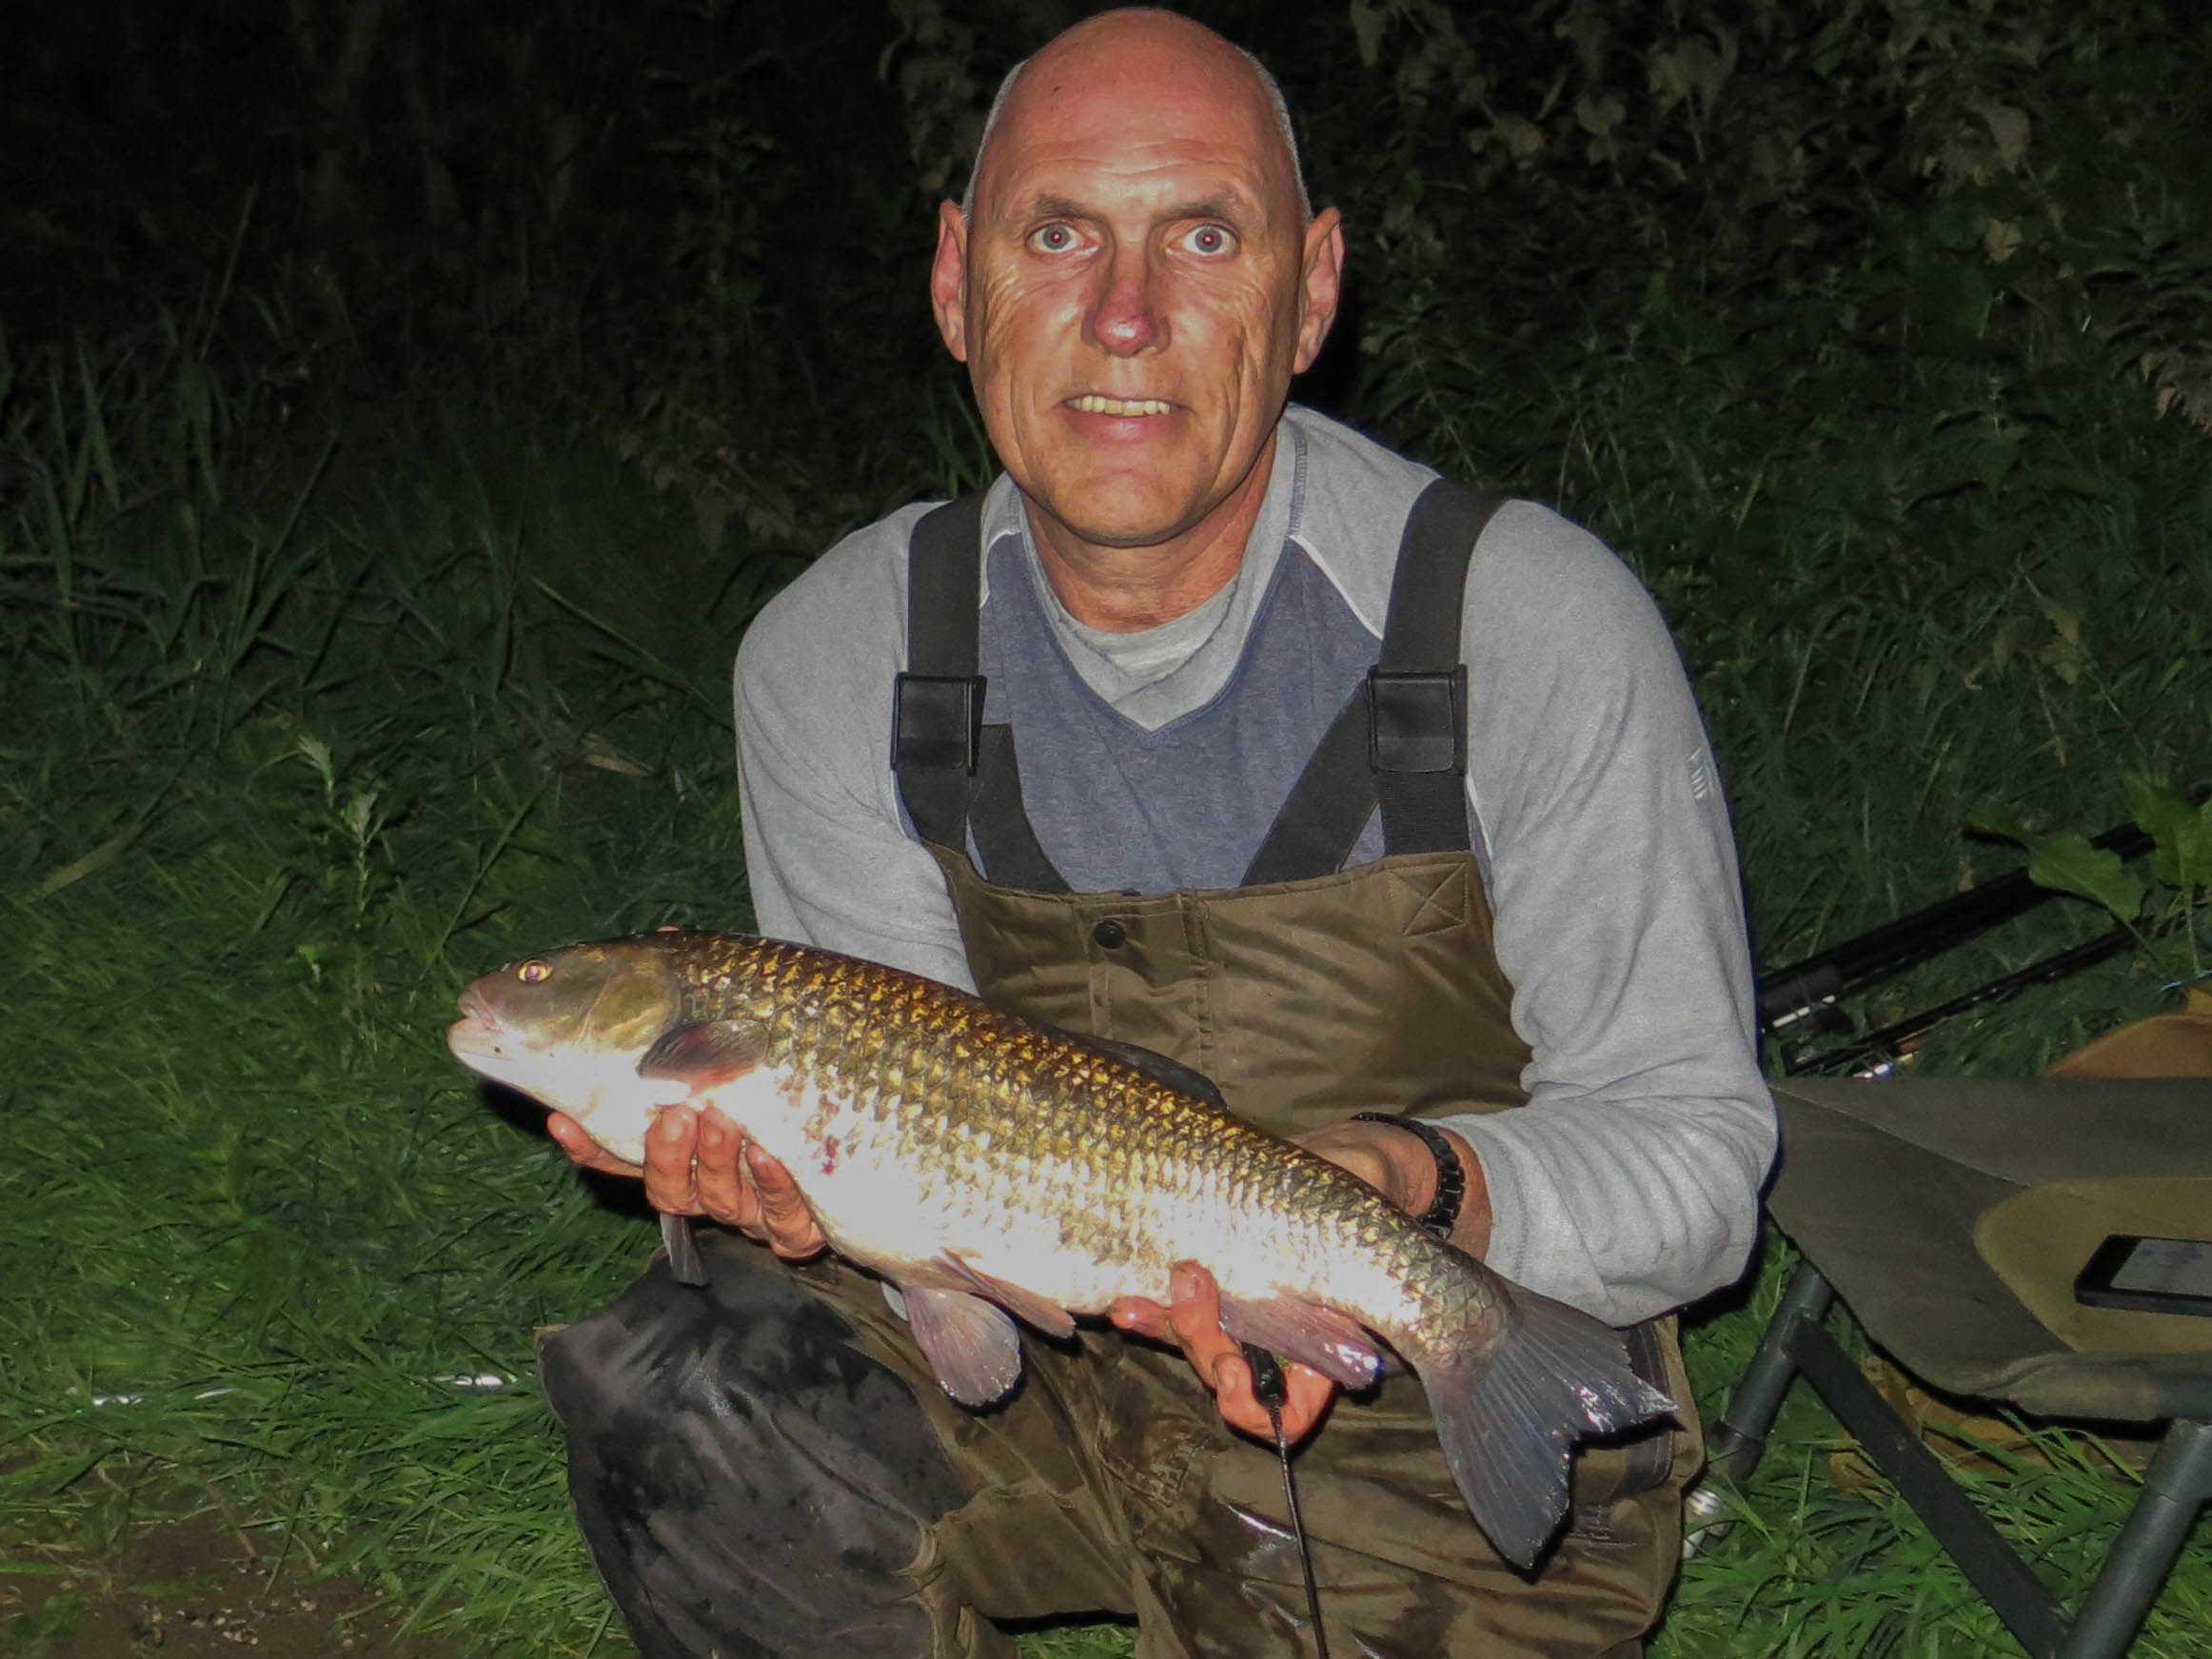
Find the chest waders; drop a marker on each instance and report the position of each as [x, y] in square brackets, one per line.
[1307, 993]
[767, 1467]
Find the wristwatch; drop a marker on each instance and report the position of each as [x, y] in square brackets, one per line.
[1443, 1211]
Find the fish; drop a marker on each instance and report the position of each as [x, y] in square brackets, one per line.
[994, 1169]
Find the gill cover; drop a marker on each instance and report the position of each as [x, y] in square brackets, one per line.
[615, 994]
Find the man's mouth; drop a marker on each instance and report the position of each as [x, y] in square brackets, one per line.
[1092, 404]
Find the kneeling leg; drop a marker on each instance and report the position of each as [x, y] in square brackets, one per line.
[748, 1482]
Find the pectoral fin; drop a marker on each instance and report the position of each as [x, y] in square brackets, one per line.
[682, 1250]
[972, 1345]
[705, 1053]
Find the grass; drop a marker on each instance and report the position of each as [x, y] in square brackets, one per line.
[306, 727]
[268, 805]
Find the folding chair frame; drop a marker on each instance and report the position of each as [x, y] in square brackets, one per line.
[2178, 1483]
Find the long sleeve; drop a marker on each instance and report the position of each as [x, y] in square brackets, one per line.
[829, 857]
[1630, 1182]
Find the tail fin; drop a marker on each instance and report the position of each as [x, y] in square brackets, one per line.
[1508, 1419]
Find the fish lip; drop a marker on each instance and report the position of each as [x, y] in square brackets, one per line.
[474, 1034]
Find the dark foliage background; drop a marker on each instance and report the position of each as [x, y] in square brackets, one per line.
[403, 408]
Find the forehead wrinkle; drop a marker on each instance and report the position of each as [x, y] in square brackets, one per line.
[1229, 205]
[1156, 180]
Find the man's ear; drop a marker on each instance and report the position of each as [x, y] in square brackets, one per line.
[948, 280]
[1321, 284]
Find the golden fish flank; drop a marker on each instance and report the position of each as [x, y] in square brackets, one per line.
[988, 1165]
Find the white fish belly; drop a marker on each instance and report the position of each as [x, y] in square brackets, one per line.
[1045, 1229]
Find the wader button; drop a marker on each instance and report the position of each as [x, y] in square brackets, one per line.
[1111, 935]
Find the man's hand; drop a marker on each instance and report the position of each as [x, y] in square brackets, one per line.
[1192, 1321]
[1395, 1162]
[1399, 1164]
[699, 1163]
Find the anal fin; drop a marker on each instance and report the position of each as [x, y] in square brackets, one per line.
[1333, 1344]
[972, 1345]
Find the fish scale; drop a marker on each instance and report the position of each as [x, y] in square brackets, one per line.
[1184, 1171]
[987, 1165]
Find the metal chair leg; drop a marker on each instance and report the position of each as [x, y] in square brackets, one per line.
[2177, 1486]
[1739, 1439]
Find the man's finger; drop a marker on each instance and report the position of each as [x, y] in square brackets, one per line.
[1195, 1310]
[671, 1143]
[1310, 1393]
[1142, 1317]
[1194, 1307]
[720, 1190]
[585, 1152]
[790, 1225]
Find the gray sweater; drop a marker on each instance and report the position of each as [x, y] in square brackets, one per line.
[1630, 1182]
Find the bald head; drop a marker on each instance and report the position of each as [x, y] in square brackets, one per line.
[1143, 41]
[1133, 282]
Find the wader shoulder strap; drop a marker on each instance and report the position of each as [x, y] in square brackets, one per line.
[1400, 739]
[937, 704]
[1417, 689]
[1012, 855]
[957, 775]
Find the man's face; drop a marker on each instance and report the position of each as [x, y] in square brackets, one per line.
[1135, 288]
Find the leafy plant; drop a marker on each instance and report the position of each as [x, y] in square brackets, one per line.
[2164, 911]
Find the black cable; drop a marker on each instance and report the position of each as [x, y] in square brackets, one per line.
[1273, 1392]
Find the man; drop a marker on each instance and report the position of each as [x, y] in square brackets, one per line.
[1161, 825]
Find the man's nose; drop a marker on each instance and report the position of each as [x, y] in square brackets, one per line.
[1125, 319]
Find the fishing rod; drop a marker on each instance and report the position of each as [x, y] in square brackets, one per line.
[1806, 1001]
[1877, 1054]
[1808, 994]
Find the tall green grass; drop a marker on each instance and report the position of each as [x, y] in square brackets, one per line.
[302, 737]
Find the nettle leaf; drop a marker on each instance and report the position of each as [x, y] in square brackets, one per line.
[2182, 856]
[2069, 864]
[1995, 820]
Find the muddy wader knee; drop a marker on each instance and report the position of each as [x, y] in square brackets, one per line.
[750, 1484]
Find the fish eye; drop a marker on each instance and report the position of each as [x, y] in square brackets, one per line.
[534, 971]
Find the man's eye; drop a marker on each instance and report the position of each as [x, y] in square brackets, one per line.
[1210, 239]
[1052, 238]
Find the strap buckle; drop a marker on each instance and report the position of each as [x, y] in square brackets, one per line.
[937, 723]
[1416, 720]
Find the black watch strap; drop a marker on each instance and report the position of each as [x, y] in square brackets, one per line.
[1443, 1213]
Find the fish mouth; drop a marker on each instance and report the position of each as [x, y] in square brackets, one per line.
[478, 1031]
[475, 1036]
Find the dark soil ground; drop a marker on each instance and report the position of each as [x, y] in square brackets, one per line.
[187, 1588]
